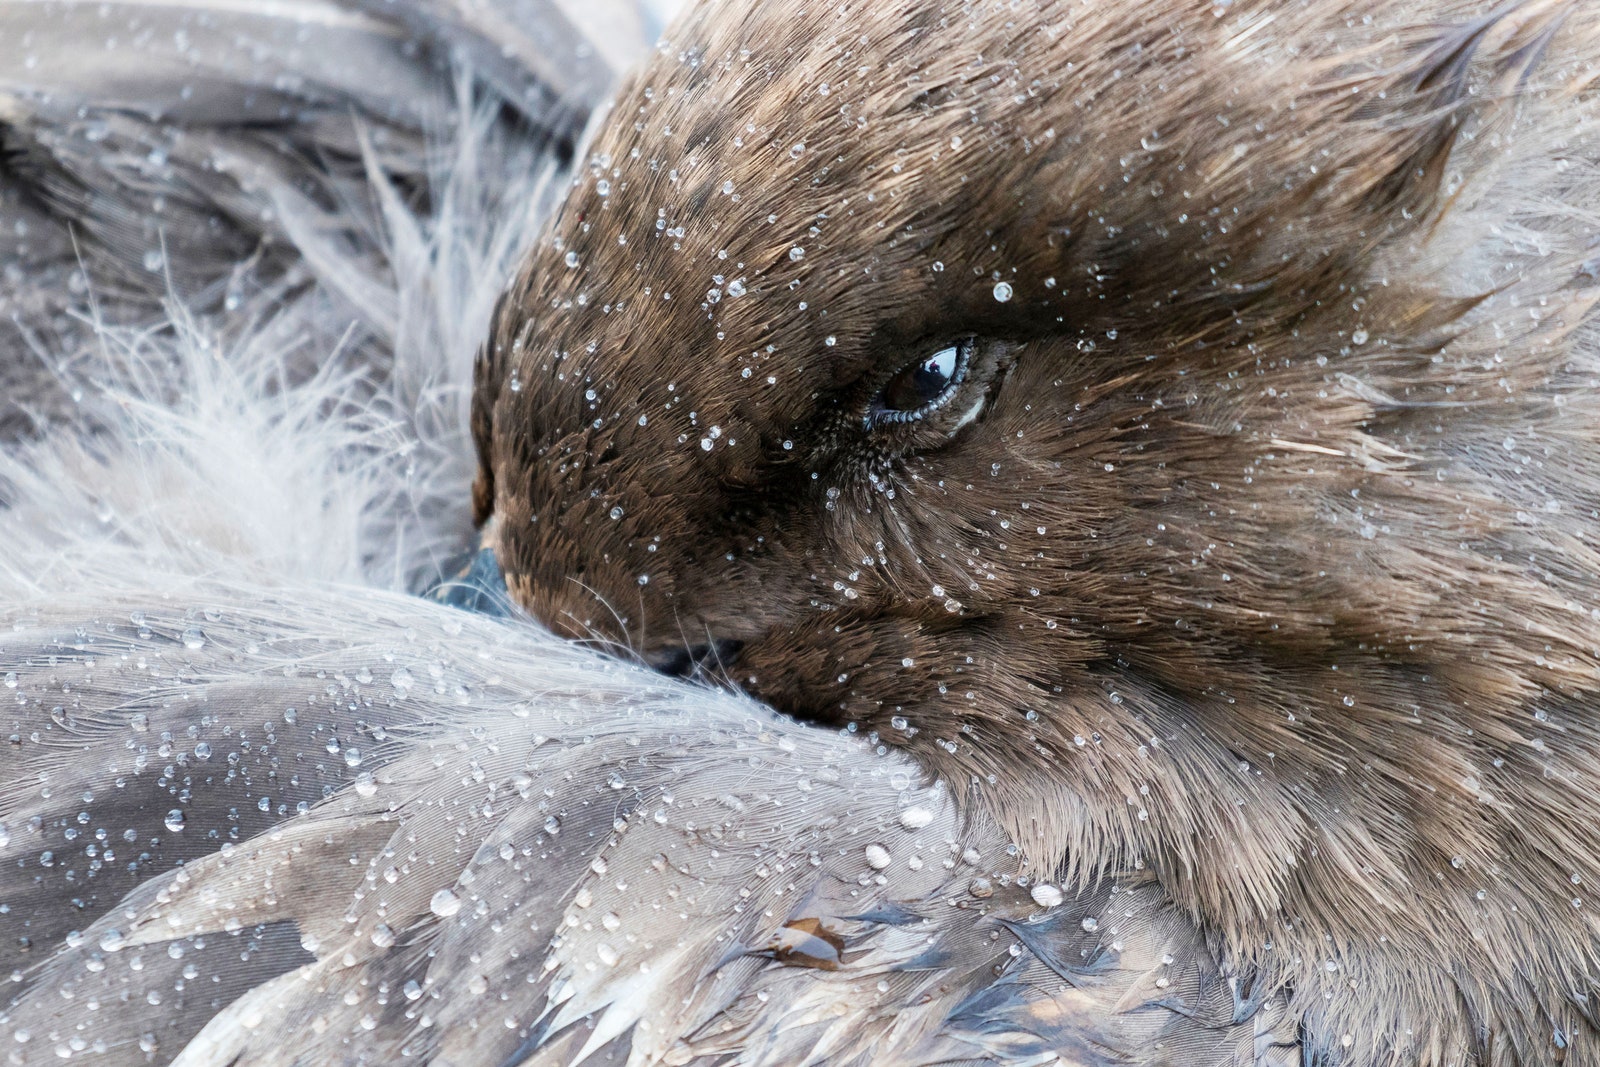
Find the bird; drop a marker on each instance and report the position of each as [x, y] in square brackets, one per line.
[1171, 425]
[1031, 533]
[236, 448]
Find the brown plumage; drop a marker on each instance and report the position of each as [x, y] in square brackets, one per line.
[1267, 560]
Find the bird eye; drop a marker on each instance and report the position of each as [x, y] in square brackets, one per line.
[922, 387]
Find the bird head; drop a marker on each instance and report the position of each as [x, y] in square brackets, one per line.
[1115, 407]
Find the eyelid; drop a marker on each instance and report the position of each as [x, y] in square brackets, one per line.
[964, 349]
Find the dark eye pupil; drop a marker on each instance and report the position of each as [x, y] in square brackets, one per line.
[921, 383]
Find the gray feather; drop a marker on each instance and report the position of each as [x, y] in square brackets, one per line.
[496, 848]
[206, 150]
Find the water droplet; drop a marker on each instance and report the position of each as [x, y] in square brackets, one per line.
[1090, 924]
[616, 513]
[797, 253]
[1045, 895]
[444, 903]
[915, 818]
[174, 820]
[1002, 291]
[877, 856]
[193, 638]
[570, 259]
[202, 751]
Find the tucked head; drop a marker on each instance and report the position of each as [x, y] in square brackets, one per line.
[1089, 399]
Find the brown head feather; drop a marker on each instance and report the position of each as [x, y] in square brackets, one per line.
[1267, 564]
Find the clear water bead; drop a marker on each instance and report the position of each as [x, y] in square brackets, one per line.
[1045, 895]
[444, 903]
[915, 818]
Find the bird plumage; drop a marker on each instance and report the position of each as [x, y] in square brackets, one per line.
[262, 807]
[1262, 552]
[242, 766]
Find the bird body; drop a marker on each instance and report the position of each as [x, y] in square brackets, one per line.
[1142, 451]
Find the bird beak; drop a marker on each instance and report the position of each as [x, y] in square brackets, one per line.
[477, 585]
